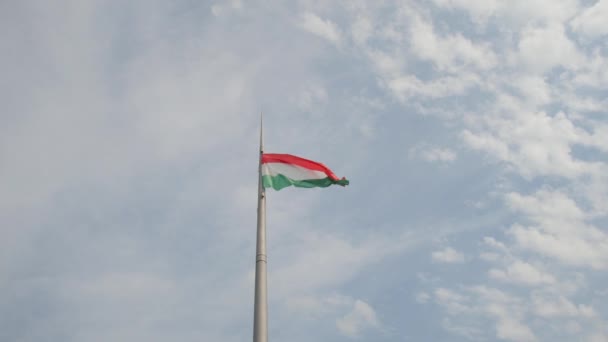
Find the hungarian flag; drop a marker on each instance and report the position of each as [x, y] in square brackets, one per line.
[282, 170]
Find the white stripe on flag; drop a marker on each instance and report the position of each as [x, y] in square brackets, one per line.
[291, 171]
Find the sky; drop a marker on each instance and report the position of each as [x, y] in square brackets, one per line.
[474, 134]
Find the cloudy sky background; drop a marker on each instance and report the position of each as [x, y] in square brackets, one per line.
[474, 133]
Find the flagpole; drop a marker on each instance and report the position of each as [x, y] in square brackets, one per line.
[260, 309]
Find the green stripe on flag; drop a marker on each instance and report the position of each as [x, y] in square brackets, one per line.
[279, 182]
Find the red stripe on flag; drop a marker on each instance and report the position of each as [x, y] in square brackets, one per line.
[305, 163]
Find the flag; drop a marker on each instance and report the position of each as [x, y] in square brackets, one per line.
[282, 170]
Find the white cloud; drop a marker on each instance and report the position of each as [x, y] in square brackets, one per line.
[546, 206]
[407, 87]
[573, 327]
[448, 255]
[508, 312]
[310, 96]
[453, 302]
[492, 242]
[514, 13]
[513, 330]
[422, 297]
[323, 28]
[598, 337]
[468, 309]
[362, 30]
[535, 143]
[561, 307]
[529, 97]
[432, 154]
[490, 257]
[592, 21]
[594, 74]
[222, 8]
[532, 115]
[589, 248]
[352, 317]
[361, 316]
[448, 53]
[520, 272]
[439, 154]
[388, 65]
[534, 89]
[470, 332]
[319, 306]
[319, 261]
[541, 49]
[128, 285]
[559, 230]
[480, 10]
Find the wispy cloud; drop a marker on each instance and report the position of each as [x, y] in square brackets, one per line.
[322, 28]
[448, 255]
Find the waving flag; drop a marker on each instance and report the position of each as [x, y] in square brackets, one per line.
[282, 170]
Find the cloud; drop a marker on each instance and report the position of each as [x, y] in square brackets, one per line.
[352, 316]
[453, 302]
[319, 261]
[534, 89]
[515, 13]
[560, 307]
[432, 153]
[560, 230]
[407, 87]
[470, 333]
[128, 285]
[361, 30]
[591, 21]
[323, 28]
[523, 273]
[535, 143]
[479, 10]
[597, 337]
[589, 248]
[513, 330]
[546, 206]
[551, 214]
[361, 317]
[506, 312]
[541, 49]
[220, 9]
[450, 52]
[422, 297]
[526, 89]
[448, 255]
[310, 96]
[319, 306]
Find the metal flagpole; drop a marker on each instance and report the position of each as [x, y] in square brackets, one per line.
[260, 309]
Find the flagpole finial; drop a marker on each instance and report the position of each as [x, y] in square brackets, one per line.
[261, 132]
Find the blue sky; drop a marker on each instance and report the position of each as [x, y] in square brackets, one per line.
[473, 132]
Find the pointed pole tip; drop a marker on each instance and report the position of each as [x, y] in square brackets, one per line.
[261, 132]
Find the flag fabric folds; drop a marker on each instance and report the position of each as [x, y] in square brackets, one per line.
[283, 170]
